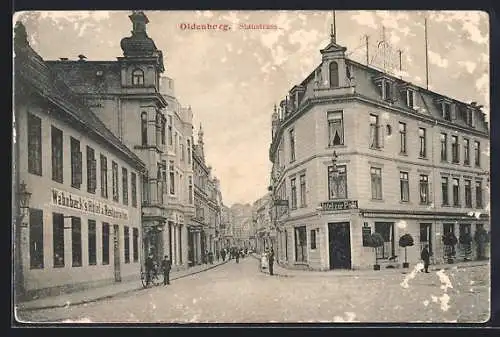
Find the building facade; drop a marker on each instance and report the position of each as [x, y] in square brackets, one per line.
[242, 224]
[264, 232]
[83, 227]
[137, 104]
[356, 151]
[226, 227]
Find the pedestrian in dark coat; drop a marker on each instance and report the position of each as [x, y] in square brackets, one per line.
[149, 267]
[223, 254]
[237, 256]
[425, 256]
[166, 265]
[270, 260]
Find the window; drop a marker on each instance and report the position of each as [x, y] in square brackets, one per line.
[190, 189]
[375, 142]
[159, 183]
[57, 154]
[76, 163]
[138, 77]
[448, 228]
[126, 246]
[334, 75]
[105, 243]
[456, 191]
[424, 189]
[404, 186]
[479, 194]
[423, 145]
[469, 115]
[477, 153]
[175, 142]
[468, 193]
[387, 90]
[402, 137]
[446, 109]
[125, 185]
[182, 152]
[292, 145]
[164, 176]
[58, 239]
[409, 98]
[303, 190]
[337, 182]
[133, 187]
[386, 229]
[114, 174]
[36, 238]
[425, 236]
[91, 170]
[145, 189]
[294, 193]
[454, 149]
[335, 128]
[170, 135]
[172, 178]
[92, 242]
[104, 176]
[34, 145]
[444, 147]
[376, 181]
[444, 190]
[135, 244]
[144, 128]
[163, 132]
[313, 239]
[189, 151]
[76, 241]
[158, 126]
[300, 244]
[466, 152]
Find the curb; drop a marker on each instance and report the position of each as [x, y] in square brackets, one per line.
[97, 299]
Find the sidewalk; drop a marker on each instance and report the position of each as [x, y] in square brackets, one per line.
[288, 272]
[101, 293]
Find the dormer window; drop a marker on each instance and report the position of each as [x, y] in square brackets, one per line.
[387, 90]
[469, 117]
[446, 110]
[138, 77]
[334, 74]
[410, 98]
[386, 85]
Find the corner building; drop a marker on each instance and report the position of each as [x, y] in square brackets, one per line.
[83, 228]
[409, 160]
[137, 104]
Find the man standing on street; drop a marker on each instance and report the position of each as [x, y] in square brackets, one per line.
[166, 265]
[149, 268]
[271, 261]
[425, 256]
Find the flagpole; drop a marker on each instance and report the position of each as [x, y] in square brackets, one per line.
[426, 57]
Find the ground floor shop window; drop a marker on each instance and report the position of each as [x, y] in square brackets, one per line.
[386, 229]
[300, 244]
[76, 241]
[425, 236]
[313, 239]
[36, 239]
[58, 239]
[92, 242]
[105, 243]
[135, 244]
[126, 239]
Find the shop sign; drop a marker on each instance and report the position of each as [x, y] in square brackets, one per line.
[87, 205]
[339, 205]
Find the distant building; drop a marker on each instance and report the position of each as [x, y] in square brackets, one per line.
[83, 227]
[264, 231]
[409, 160]
[241, 215]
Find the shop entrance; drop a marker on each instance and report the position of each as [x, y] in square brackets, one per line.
[339, 240]
[116, 245]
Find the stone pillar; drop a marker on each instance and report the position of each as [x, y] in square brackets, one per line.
[174, 244]
[177, 248]
[198, 248]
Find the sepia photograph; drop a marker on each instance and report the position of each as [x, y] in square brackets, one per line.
[265, 166]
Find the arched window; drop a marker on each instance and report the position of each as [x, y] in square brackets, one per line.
[334, 75]
[158, 128]
[144, 128]
[137, 77]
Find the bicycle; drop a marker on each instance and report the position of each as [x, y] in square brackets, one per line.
[154, 278]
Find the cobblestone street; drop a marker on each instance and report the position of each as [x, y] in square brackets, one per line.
[241, 293]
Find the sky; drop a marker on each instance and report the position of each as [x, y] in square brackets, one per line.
[232, 78]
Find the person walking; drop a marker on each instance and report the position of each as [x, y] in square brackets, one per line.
[223, 255]
[237, 256]
[270, 259]
[149, 268]
[166, 265]
[425, 256]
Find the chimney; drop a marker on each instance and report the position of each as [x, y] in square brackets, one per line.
[82, 57]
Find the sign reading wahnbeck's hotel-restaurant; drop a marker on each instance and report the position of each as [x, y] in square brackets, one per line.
[87, 205]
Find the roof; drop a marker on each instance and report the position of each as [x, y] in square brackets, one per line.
[32, 69]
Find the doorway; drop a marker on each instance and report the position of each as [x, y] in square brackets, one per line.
[116, 251]
[339, 239]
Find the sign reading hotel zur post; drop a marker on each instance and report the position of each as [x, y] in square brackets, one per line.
[339, 205]
[87, 205]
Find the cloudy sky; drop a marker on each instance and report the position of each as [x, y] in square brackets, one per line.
[233, 78]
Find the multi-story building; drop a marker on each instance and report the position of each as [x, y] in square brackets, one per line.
[138, 105]
[356, 150]
[207, 203]
[226, 227]
[83, 225]
[241, 216]
[263, 227]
